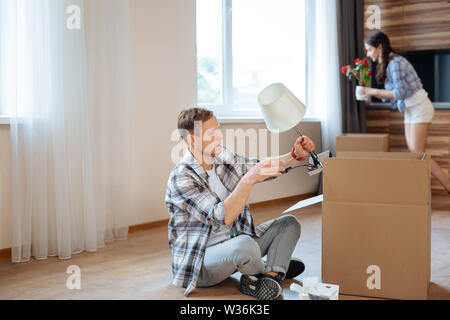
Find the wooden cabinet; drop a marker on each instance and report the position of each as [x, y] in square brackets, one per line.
[438, 144]
[413, 24]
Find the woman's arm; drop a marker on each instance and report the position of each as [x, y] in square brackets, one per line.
[378, 93]
[396, 73]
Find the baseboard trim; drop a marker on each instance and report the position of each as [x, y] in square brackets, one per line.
[257, 205]
[148, 226]
[297, 198]
[6, 253]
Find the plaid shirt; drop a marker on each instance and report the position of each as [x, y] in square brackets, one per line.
[402, 80]
[194, 209]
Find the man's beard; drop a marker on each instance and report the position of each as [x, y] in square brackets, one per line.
[213, 153]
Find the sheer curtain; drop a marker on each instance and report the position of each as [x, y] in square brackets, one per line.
[322, 85]
[67, 92]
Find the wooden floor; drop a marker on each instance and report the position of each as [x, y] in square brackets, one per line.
[139, 268]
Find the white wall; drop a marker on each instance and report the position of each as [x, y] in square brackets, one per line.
[163, 83]
[164, 79]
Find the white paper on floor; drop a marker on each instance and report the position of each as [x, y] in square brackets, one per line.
[313, 290]
[305, 203]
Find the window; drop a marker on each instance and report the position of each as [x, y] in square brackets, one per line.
[244, 46]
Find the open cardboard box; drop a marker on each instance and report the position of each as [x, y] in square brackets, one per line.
[376, 224]
[352, 142]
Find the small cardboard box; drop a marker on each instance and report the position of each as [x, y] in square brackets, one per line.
[376, 224]
[362, 143]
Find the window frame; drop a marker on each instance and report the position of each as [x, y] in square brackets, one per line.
[227, 111]
[4, 119]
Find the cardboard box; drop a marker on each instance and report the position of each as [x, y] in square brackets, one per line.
[376, 224]
[362, 143]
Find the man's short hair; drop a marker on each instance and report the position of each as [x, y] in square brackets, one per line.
[187, 119]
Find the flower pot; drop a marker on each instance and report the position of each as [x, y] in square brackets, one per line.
[359, 95]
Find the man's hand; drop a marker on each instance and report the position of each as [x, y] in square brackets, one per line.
[237, 199]
[265, 169]
[304, 146]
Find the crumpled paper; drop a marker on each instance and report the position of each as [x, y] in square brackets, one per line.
[312, 289]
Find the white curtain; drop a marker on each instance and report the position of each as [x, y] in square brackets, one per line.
[322, 85]
[66, 87]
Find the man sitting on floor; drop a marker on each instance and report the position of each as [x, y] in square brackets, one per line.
[211, 230]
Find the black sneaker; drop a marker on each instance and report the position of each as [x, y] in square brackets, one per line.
[261, 287]
[277, 278]
[296, 267]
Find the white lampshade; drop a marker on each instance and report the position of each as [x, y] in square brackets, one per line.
[282, 110]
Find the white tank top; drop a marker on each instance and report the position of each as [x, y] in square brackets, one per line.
[218, 234]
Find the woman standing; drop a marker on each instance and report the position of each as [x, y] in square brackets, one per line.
[405, 89]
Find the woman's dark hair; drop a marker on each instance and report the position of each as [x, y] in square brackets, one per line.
[375, 39]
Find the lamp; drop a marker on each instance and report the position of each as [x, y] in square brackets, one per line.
[282, 111]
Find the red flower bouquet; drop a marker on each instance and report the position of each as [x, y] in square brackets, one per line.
[361, 73]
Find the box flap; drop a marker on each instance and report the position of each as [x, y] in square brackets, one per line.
[380, 178]
[382, 155]
[363, 142]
